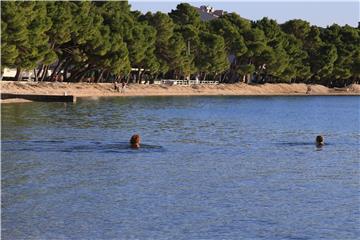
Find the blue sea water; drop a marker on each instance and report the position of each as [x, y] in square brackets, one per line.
[209, 168]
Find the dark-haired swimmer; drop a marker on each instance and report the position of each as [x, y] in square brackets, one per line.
[319, 140]
[135, 141]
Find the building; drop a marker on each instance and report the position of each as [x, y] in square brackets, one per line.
[208, 13]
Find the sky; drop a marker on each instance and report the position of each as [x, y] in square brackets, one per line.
[320, 13]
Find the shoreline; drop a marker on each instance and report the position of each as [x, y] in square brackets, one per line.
[95, 90]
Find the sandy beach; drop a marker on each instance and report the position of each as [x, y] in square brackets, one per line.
[107, 90]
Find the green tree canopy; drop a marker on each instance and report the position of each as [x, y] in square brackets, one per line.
[106, 40]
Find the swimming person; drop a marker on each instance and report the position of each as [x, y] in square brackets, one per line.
[319, 140]
[135, 141]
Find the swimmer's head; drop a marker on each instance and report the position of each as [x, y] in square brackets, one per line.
[319, 140]
[135, 141]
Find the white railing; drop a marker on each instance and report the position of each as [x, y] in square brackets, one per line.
[209, 82]
[187, 82]
[26, 75]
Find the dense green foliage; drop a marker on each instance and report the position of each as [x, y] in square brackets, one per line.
[106, 41]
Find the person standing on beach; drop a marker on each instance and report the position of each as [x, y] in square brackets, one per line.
[308, 91]
[197, 79]
[116, 86]
[123, 86]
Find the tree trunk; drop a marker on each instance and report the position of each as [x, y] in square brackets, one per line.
[223, 79]
[44, 74]
[138, 80]
[79, 73]
[18, 75]
[82, 75]
[127, 78]
[74, 75]
[35, 75]
[54, 73]
[66, 67]
[40, 70]
[248, 78]
[100, 76]
[142, 75]
[107, 76]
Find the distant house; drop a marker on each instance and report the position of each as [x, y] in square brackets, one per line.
[208, 13]
[219, 12]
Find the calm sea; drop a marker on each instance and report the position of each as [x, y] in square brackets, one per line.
[209, 168]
